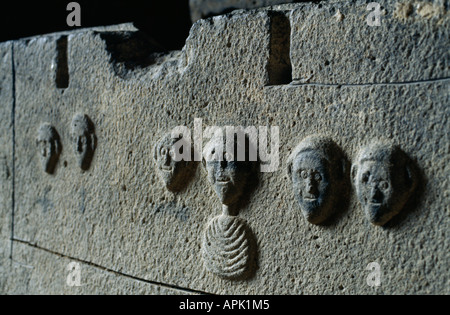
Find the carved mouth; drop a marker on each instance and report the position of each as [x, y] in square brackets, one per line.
[309, 198]
[222, 181]
[375, 201]
[166, 168]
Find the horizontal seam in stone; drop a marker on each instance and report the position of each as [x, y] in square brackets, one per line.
[170, 286]
[294, 84]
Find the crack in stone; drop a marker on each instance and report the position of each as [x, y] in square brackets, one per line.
[118, 273]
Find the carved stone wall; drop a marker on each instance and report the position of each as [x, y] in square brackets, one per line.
[363, 156]
[6, 159]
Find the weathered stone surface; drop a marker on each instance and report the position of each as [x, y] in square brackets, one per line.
[333, 44]
[118, 214]
[6, 175]
[159, 231]
[38, 272]
[201, 9]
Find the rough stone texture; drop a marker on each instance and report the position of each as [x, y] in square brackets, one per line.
[118, 213]
[38, 272]
[201, 9]
[6, 103]
[332, 44]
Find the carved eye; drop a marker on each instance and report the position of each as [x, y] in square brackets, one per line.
[365, 177]
[384, 185]
[317, 177]
[304, 174]
[163, 151]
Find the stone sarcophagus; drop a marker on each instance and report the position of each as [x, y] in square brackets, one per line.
[283, 150]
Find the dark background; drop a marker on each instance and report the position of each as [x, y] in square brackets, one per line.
[167, 21]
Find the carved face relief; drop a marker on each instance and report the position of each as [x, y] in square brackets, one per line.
[313, 169]
[311, 182]
[174, 172]
[227, 175]
[228, 246]
[84, 140]
[383, 182]
[49, 146]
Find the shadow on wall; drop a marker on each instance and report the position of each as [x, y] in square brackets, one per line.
[168, 21]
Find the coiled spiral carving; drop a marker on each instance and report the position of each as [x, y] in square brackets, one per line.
[226, 249]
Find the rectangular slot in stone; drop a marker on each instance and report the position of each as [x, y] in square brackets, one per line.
[279, 67]
[62, 69]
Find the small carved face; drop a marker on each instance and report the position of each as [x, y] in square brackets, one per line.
[374, 188]
[383, 182]
[226, 174]
[49, 147]
[84, 140]
[316, 168]
[311, 181]
[174, 172]
[228, 178]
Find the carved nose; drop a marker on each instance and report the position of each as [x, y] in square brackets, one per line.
[79, 145]
[310, 187]
[376, 194]
[220, 172]
[309, 184]
[166, 160]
